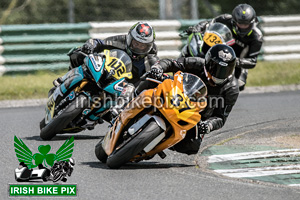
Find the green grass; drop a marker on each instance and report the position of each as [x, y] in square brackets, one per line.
[274, 73]
[27, 86]
[37, 84]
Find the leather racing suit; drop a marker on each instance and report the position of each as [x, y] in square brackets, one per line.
[141, 64]
[220, 99]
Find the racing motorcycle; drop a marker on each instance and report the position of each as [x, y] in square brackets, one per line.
[198, 43]
[154, 120]
[86, 93]
[60, 171]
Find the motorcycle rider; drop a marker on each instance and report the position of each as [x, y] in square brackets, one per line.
[248, 38]
[198, 43]
[67, 166]
[216, 70]
[138, 44]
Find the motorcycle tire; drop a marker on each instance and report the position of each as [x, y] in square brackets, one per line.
[100, 153]
[57, 176]
[42, 124]
[46, 175]
[60, 122]
[137, 143]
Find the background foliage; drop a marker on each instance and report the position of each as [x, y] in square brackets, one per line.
[45, 11]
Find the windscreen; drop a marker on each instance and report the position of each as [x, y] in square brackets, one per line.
[222, 31]
[194, 87]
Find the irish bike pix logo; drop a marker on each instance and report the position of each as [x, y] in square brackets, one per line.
[42, 167]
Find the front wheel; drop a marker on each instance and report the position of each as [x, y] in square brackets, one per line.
[62, 120]
[57, 176]
[137, 143]
[100, 153]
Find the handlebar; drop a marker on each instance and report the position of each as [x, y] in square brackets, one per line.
[81, 52]
[183, 34]
[145, 76]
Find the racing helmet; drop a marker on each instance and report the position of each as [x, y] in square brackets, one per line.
[220, 61]
[243, 19]
[72, 161]
[140, 40]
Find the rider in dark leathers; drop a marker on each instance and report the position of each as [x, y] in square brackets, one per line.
[138, 44]
[216, 70]
[248, 38]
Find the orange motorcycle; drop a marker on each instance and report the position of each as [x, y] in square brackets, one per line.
[153, 121]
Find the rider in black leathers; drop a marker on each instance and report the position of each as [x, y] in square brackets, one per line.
[216, 70]
[138, 44]
[248, 38]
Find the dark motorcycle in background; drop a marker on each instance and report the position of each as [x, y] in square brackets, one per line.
[198, 43]
[86, 93]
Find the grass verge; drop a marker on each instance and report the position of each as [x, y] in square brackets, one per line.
[37, 84]
[28, 86]
[274, 73]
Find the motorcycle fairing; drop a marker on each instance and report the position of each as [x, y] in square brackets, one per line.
[116, 87]
[116, 65]
[96, 68]
[71, 78]
[195, 43]
[182, 115]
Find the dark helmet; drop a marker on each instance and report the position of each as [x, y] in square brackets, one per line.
[220, 61]
[243, 19]
[140, 40]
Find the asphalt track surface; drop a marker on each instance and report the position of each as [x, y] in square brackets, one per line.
[178, 176]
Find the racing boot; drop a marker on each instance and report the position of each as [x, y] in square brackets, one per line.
[123, 99]
[242, 79]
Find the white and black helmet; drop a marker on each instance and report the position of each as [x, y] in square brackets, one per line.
[140, 39]
[72, 161]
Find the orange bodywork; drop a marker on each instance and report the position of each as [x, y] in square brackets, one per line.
[172, 103]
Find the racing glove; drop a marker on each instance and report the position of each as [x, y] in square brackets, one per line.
[204, 127]
[87, 48]
[192, 29]
[156, 71]
[196, 28]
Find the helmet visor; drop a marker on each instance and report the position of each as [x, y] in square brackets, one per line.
[220, 72]
[138, 47]
[244, 29]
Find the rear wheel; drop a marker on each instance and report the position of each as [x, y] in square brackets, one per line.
[100, 153]
[137, 143]
[46, 175]
[60, 122]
